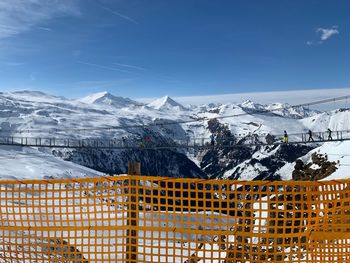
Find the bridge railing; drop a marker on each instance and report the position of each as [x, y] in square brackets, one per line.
[250, 139]
[174, 220]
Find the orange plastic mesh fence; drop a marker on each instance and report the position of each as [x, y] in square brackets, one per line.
[156, 219]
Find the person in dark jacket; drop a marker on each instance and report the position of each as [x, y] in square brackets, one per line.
[310, 136]
[285, 137]
[329, 135]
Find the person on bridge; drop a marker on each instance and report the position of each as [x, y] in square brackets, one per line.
[329, 135]
[285, 137]
[310, 136]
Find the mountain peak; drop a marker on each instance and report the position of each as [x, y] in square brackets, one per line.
[106, 98]
[96, 96]
[165, 103]
[248, 104]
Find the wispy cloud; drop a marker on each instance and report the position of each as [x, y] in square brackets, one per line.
[103, 66]
[323, 34]
[97, 84]
[45, 28]
[17, 16]
[119, 14]
[13, 63]
[129, 66]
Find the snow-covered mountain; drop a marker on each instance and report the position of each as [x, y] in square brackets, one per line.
[281, 109]
[248, 104]
[105, 98]
[286, 110]
[35, 114]
[166, 103]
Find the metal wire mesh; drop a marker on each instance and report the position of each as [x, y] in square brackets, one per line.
[157, 219]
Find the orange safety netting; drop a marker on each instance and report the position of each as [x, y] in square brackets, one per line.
[156, 219]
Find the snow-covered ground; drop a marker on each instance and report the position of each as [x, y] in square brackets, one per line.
[27, 163]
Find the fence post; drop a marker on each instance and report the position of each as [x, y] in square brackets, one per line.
[134, 168]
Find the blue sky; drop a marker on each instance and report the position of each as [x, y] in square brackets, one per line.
[149, 48]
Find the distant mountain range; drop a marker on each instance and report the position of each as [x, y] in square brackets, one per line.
[36, 114]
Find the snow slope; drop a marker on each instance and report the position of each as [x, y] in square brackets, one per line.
[28, 163]
[336, 120]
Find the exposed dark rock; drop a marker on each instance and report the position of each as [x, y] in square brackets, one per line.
[305, 172]
[214, 111]
[270, 139]
[154, 162]
[216, 162]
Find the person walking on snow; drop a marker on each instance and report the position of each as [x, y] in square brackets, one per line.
[310, 136]
[329, 135]
[285, 137]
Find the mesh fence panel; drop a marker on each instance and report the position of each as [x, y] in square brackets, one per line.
[157, 219]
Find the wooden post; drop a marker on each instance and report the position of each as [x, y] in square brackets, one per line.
[134, 168]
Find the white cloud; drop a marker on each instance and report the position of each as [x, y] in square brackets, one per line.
[17, 16]
[323, 34]
[326, 33]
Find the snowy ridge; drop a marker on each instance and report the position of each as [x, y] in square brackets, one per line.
[105, 98]
[282, 109]
[166, 103]
[33, 96]
[248, 104]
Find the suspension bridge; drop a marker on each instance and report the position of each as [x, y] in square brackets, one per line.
[152, 143]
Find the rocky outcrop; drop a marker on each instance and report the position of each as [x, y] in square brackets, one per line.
[317, 169]
[259, 162]
[153, 162]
